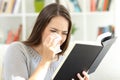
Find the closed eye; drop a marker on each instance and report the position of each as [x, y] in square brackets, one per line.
[53, 30]
[65, 33]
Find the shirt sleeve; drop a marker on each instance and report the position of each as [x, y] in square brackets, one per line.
[14, 64]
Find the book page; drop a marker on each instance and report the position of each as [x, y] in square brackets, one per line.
[103, 36]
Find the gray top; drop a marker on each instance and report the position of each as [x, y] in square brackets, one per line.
[21, 60]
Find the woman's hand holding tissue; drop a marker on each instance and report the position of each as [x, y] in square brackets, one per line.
[56, 43]
[51, 46]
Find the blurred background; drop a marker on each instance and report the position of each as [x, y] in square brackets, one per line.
[90, 18]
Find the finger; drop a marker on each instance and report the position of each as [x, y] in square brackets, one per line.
[86, 76]
[73, 79]
[53, 40]
[56, 39]
[79, 76]
[49, 41]
[56, 43]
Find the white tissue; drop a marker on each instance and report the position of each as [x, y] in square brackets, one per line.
[56, 49]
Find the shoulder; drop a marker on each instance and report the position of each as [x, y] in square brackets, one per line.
[16, 49]
[17, 46]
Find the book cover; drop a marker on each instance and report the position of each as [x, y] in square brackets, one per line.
[92, 5]
[108, 5]
[73, 6]
[9, 37]
[4, 5]
[105, 5]
[17, 6]
[10, 6]
[100, 5]
[83, 56]
[1, 1]
[18, 33]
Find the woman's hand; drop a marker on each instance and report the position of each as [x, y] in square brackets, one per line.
[50, 45]
[86, 76]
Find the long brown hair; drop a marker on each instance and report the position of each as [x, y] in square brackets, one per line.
[43, 20]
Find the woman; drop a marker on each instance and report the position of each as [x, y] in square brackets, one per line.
[36, 58]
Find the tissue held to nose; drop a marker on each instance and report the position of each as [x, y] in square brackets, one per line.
[56, 44]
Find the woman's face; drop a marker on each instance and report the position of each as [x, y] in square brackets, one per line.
[58, 25]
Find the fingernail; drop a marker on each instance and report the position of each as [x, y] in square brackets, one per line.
[72, 79]
[78, 74]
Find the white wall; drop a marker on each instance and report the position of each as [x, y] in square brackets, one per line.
[109, 68]
[2, 52]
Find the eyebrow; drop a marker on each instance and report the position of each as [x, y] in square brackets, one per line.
[59, 30]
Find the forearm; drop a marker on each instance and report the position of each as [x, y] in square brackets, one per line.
[41, 70]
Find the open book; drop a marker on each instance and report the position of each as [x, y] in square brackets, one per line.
[83, 56]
